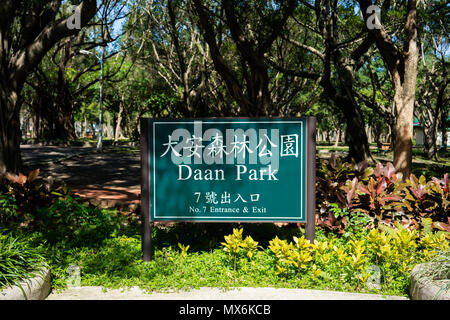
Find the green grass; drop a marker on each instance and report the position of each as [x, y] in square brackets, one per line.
[19, 259]
[169, 270]
[421, 165]
[116, 262]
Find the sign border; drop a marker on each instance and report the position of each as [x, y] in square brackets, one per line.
[303, 201]
[309, 170]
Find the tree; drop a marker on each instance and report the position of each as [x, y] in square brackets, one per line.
[60, 81]
[432, 97]
[28, 30]
[346, 58]
[400, 55]
[253, 27]
[327, 32]
[170, 46]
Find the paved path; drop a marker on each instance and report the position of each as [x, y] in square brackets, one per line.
[82, 166]
[35, 156]
[97, 293]
[109, 178]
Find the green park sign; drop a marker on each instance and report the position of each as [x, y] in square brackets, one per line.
[228, 170]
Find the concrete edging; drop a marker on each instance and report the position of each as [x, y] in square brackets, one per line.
[212, 293]
[36, 288]
[425, 289]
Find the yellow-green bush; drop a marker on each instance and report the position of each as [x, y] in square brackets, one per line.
[392, 251]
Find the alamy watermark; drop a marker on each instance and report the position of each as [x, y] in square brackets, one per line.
[231, 146]
[74, 279]
[374, 17]
[74, 21]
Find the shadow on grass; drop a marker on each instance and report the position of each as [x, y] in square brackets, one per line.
[207, 236]
[430, 170]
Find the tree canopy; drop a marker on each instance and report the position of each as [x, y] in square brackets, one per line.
[364, 68]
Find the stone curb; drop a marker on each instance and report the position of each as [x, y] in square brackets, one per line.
[36, 288]
[212, 293]
[424, 289]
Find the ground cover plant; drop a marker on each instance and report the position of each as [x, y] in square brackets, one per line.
[372, 230]
[43, 205]
[19, 259]
[346, 190]
[378, 261]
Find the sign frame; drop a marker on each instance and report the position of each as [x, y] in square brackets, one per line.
[146, 196]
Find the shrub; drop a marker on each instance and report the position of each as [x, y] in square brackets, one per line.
[394, 251]
[332, 177]
[378, 193]
[336, 184]
[427, 199]
[69, 219]
[18, 259]
[235, 245]
[331, 262]
[21, 196]
[381, 195]
[34, 204]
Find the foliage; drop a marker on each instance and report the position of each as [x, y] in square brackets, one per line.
[351, 222]
[8, 208]
[334, 174]
[438, 268]
[297, 254]
[21, 195]
[18, 259]
[333, 187]
[395, 253]
[183, 249]
[235, 244]
[30, 203]
[380, 195]
[332, 262]
[427, 199]
[68, 217]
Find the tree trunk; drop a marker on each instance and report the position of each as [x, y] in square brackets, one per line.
[376, 134]
[355, 135]
[10, 135]
[403, 127]
[430, 145]
[118, 132]
[36, 120]
[338, 137]
[85, 126]
[402, 66]
[405, 89]
[369, 135]
[431, 133]
[64, 127]
[444, 129]
[403, 131]
[109, 132]
[56, 118]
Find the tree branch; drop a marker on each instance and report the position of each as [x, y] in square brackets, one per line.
[29, 57]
